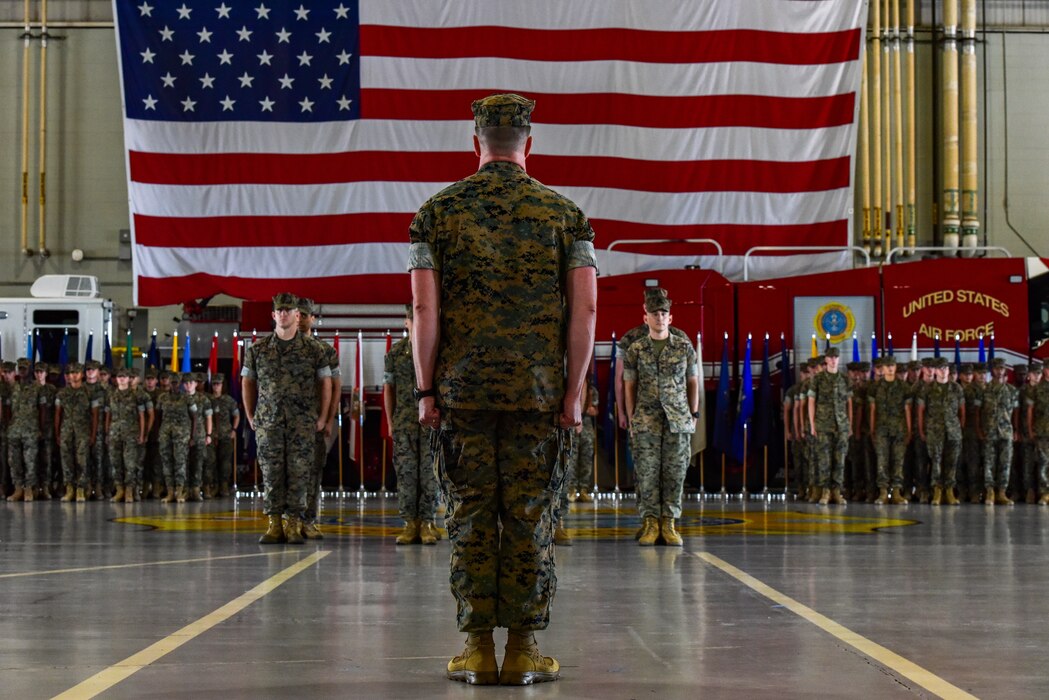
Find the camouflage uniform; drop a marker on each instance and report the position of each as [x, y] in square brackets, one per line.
[831, 393]
[972, 446]
[198, 446]
[583, 473]
[1029, 453]
[23, 433]
[997, 405]
[1039, 399]
[98, 461]
[416, 480]
[662, 424]
[178, 412]
[77, 406]
[5, 408]
[220, 452]
[890, 401]
[46, 454]
[919, 473]
[502, 245]
[943, 430]
[320, 457]
[125, 409]
[146, 400]
[286, 372]
[862, 478]
[797, 477]
[152, 466]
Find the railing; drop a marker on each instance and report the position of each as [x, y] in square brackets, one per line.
[781, 248]
[944, 249]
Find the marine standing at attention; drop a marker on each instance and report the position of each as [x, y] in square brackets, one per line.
[505, 293]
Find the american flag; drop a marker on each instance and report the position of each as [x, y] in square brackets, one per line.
[282, 145]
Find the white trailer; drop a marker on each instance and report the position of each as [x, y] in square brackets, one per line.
[59, 306]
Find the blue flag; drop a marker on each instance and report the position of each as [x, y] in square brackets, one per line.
[187, 365]
[89, 353]
[107, 352]
[983, 354]
[936, 345]
[890, 344]
[153, 356]
[39, 348]
[722, 408]
[826, 345]
[29, 347]
[855, 348]
[608, 420]
[746, 407]
[764, 409]
[957, 354]
[990, 350]
[63, 356]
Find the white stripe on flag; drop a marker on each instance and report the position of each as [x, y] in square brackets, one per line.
[631, 77]
[727, 143]
[743, 208]
[676, 15]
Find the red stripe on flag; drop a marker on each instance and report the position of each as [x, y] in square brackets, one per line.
[703, 111]
[612, 44]
[266, 231]
[362, 289]
[556, 171]
[735, 239]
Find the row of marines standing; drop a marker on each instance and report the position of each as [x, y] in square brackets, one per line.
[124, 441]
[922, 436]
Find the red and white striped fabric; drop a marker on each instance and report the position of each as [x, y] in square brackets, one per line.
[674, 119]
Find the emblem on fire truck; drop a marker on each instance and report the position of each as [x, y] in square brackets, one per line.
[836, 320]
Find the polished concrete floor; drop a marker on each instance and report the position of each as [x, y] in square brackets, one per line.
[765, 600]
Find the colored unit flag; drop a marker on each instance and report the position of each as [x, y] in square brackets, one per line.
[764, 408]
[213, 357]
[914, 347]
[855, 348]
[128, 359]
[788, 365]
[287, 145]
[722, 407]
[982, 353]
[187, 361]
[957, 353]
[743, 433]
[174, 352]
[153, 355]
[89, 352]
[936, 345]
[386, 434]
[107, 352]
[990, 350]
[890, 344]
[29, 346]
[699, 437]
[234, 374]
[63, 351]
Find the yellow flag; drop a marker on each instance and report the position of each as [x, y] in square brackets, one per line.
[174, 352]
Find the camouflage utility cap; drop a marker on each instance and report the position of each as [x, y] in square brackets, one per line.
[92, 364]
[967, 368]
[927, 361]
[151, 373]
[123, 372]
[285, 300]
[888, 361]
[914, 365]
[832, 352]
[7, 366]
[74, 367]
[53, 369]
[1035, 366]
[22, 362]
[409, 311]
[656, 299]
[505, 109]
[863, 366]
[979, 366]
[305, 306]
[189, 377]
[939, 362]
[998, 363]
[218, 378]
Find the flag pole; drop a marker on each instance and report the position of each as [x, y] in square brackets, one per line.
[743, 493]
[384, 489]
[724, 493]
[765, 491]
[342, 491]
[234, 466]
[615, 449]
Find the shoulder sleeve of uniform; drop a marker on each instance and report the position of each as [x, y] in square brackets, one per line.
[581, 248]
[422, 254]
[248, 369]
[324, 372]
[332, 358]
[387, 368]
[192, 406]
[692, 370]
[630, 363]
[96, 402]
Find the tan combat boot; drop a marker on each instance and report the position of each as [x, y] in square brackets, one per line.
[988, 496]
[477, 664]
[180, 494]
[81, 497]
[649, 532]
[671, 537]
[824, 497]
[169, 496]
[585, 497]
[410, 533]
[311, 532]
[561, 537]
[274, 532]
[193, 494]
[29, 494]
[1032, 497]
[1044, 500]
[432, 526]
[1000, 499]
[814, 494]
[883, 497]
[923, 496]
[68, 495]
[158, 489]
[948, 497]
[131, 494]
[937, 495]
[898, 498]
[293, 530]
[118, 496]
[571, 496]
[427, 532]
[18, 495]
[522, 662]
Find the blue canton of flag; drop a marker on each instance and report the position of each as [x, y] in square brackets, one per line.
[265, 61]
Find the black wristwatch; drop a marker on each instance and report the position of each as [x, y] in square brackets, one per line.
[423, 393]
[695, 414]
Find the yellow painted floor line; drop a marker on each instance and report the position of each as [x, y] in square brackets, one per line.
[50, 572]
[106, 679]
[886, 657]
